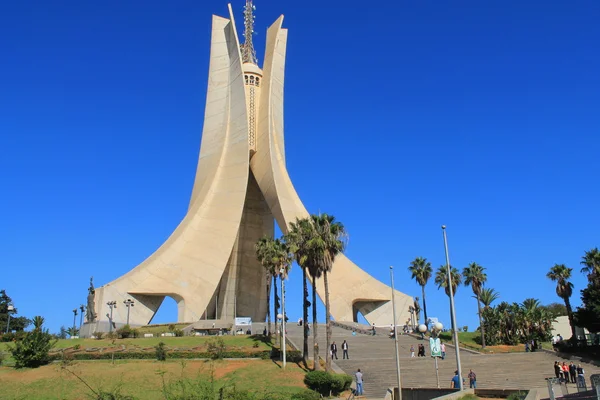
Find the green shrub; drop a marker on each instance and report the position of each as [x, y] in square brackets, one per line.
[77, 347]
[326, 383]
[33, 350]
[306, 394]
[98, 335]
[1, 357]
[112, 335]
[517, 396]
[216, 348]
[125, 332]
[178, 332]
[161, 352]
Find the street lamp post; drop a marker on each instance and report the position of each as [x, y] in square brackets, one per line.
[128, 303]
[284, 343]
[74, 319]
[82, 309]
[452, 310]
[9, 310]
[112, 305]
[434, 345]
[396, 335]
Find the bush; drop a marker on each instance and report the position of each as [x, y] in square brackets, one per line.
[216, 348]
[98, 335]
[125, 332]
[112, 335]
[33, 350]
[306, 394]
[517, 396]
[161, 352]
[178, 332]
[1, 357]
[326, 383]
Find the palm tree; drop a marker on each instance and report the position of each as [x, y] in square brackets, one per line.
[475, 276]
[264, 254]
[591, 262]
[327, 243]
[282, 262]
[297, 239]
[560, 274]
[38, 321]
[487, 297]
[441, 279]
[421, 270]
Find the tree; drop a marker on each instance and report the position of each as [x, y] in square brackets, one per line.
[488, 296]
[33, 350]
[72, 331]
[326, 244]
[282, 262]
[63, 333]
[297, 238]
[588, 315]
[560, 274]
[591, 263]
[421, 270]
[441, 279]
[16, 323]
[556, 309]
[265, 255]
[476, 277]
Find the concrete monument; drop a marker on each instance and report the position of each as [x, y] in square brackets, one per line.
[208, 264]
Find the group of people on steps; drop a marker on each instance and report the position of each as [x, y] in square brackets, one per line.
[569, 373]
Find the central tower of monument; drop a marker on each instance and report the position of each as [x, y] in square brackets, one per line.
[208, 264]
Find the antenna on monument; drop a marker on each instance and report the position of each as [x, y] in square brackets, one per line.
[248, 52]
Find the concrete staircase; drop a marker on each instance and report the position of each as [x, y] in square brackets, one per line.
[374, 355]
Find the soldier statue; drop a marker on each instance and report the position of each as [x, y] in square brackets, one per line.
[91, 313]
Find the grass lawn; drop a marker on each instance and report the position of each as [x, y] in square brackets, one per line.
[144, 379]
[467, 340]
[241, 342]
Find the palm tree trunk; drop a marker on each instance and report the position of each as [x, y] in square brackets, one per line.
[317, 365]
[305, 317]
[327, 324]
[570, 316]
[275, 308]
[269, 303]
[424, 305]
[481, 328]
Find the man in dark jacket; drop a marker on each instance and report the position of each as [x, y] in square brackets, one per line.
[573, 372]
[345, 350]
[334, 351]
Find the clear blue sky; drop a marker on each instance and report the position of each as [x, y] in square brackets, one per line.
[482, 115]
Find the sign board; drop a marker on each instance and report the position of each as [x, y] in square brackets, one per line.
[435, 346]
[243, 321]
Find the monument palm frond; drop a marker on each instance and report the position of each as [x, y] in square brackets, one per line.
[421, 271]
[475, 276]
[561, 274]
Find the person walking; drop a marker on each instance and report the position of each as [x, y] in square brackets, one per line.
[345, 350]
[334, 351]
[359, 382]
[412, 351]
[472, 380]
[443, 347]
[573, 372]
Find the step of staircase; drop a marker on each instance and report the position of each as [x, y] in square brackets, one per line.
[375, 356]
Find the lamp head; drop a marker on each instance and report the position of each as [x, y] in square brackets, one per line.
[443, 226]
[438, 326]
[422, 328]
